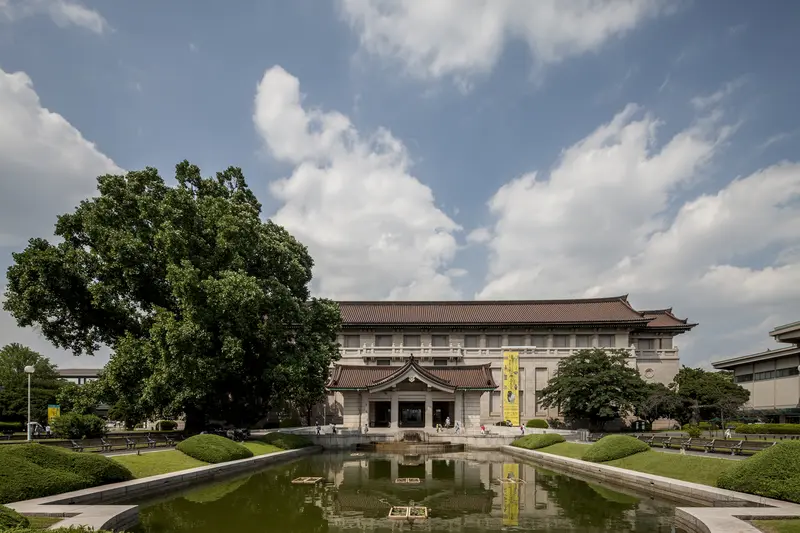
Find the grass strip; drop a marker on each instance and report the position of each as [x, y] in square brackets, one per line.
[778, 526]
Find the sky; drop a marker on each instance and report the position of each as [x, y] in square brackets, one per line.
[457, 149]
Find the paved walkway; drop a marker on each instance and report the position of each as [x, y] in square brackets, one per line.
[135, 452]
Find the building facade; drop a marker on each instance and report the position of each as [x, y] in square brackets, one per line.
[413, 364]
[771, 376]
[81, 376]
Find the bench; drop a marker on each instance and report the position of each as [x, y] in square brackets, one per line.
[75, 446]
[666, 442]
[594, 437]
[686, 444]
[647, 439]
[753, 446]
[105, 446]
[7, 434]
[150, 442]
[169, 440]
[130, 444]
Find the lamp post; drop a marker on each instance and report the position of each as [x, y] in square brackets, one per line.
[29, 370]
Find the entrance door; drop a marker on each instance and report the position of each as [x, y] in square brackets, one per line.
[412, 414]
[380, 415]
[442, 411]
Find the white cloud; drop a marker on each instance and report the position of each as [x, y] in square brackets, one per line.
[461, 38]
[373, 229]
[611, 219]
[62, 12]
[46, 168]
[716, 98]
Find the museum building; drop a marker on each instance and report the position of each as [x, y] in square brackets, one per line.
[416, 364]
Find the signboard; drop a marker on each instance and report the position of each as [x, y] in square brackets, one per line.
[510, 495]
[53, 412]
[511, 387]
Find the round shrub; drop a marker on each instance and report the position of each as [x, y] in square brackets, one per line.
[10, 519]
[213, 449]
[534, 442]
[772, 473]
[538, 423]
[12, 426]
[34, 470]
[693, 430]
[285, 441]
[614, 447]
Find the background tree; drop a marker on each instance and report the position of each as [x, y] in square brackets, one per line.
[205, 306]
[659, 401]
[45, 383]
[708, 395]
[596, 385]
[80, 399]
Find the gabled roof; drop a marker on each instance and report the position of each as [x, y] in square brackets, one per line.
[480, 312]
[449, 378]
[663, 318]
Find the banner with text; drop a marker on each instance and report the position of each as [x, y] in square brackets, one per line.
[53, 412]
[511, 387]
[510, 495]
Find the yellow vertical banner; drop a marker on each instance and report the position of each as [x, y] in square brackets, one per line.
[511, 387]
[510, 494]
[53, 412]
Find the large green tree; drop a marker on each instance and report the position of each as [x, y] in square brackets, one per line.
[658, 402]
[707, 395]
[45, 383]
[594, 385]
[205, 306]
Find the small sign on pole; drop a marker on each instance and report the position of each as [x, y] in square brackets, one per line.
[53, 412]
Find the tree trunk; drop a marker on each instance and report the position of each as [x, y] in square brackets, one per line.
[308, 414]
[195, 421]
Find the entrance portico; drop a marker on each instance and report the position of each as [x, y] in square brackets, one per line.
[411, 396]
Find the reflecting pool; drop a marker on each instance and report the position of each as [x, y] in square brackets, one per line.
[463, 492]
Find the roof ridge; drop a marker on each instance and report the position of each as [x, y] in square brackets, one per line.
[623, 298]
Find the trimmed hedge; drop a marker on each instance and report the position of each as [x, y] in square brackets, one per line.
[775, 429]
[285, 441]
[534, 442]
[772, 473]
[15, 426]
[538, 423]
[213, 449]
[614, 447]
[77, 426]
[34, 470]
[73, 529]
[9, 519]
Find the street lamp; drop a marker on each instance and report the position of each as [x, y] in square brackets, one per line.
[29, 370]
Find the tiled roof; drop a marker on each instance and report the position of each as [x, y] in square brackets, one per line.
[451, 377]
[589, 311]
[663, 318]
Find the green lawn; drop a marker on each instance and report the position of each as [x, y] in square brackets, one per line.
[42, 522]
[261, 448]
[155, 463]
[704, 470]
[778, 526]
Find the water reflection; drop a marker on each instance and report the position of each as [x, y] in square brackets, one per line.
[464, 492]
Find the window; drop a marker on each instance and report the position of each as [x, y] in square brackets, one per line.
[583, 341]
[646, 344]
[516, 340]
[744, 378]
[383, 341]
[539, 407]
[351, 341]
[666, 343]
[439, 361]
[472, 341]
[784, 372]
[561, 341]
[607, 341]
[383, 362]
[495, 403]
[493, 341]
[440, 341]
[761, 376]
[411, 340]
[539, 340]
[521, 402]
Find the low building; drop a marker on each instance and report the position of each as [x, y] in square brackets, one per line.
[81, 376]
[417, 363]
[771, 376]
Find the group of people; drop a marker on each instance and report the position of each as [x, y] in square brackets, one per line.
[457, 426]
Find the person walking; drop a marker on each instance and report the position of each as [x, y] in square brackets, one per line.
[458, 426]
[447, 423]
[319, 429]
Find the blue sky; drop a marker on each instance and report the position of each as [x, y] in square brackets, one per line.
[504, 149]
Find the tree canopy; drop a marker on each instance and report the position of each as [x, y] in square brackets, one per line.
[595, 385]
[707, 395]
[45, 383]
[659, 401]
[205, 306]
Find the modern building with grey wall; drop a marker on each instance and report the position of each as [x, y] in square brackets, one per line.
[771, 376]
[457, 350]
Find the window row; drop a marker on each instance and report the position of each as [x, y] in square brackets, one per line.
[769, 374]
[495, 341]
[385, 361]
